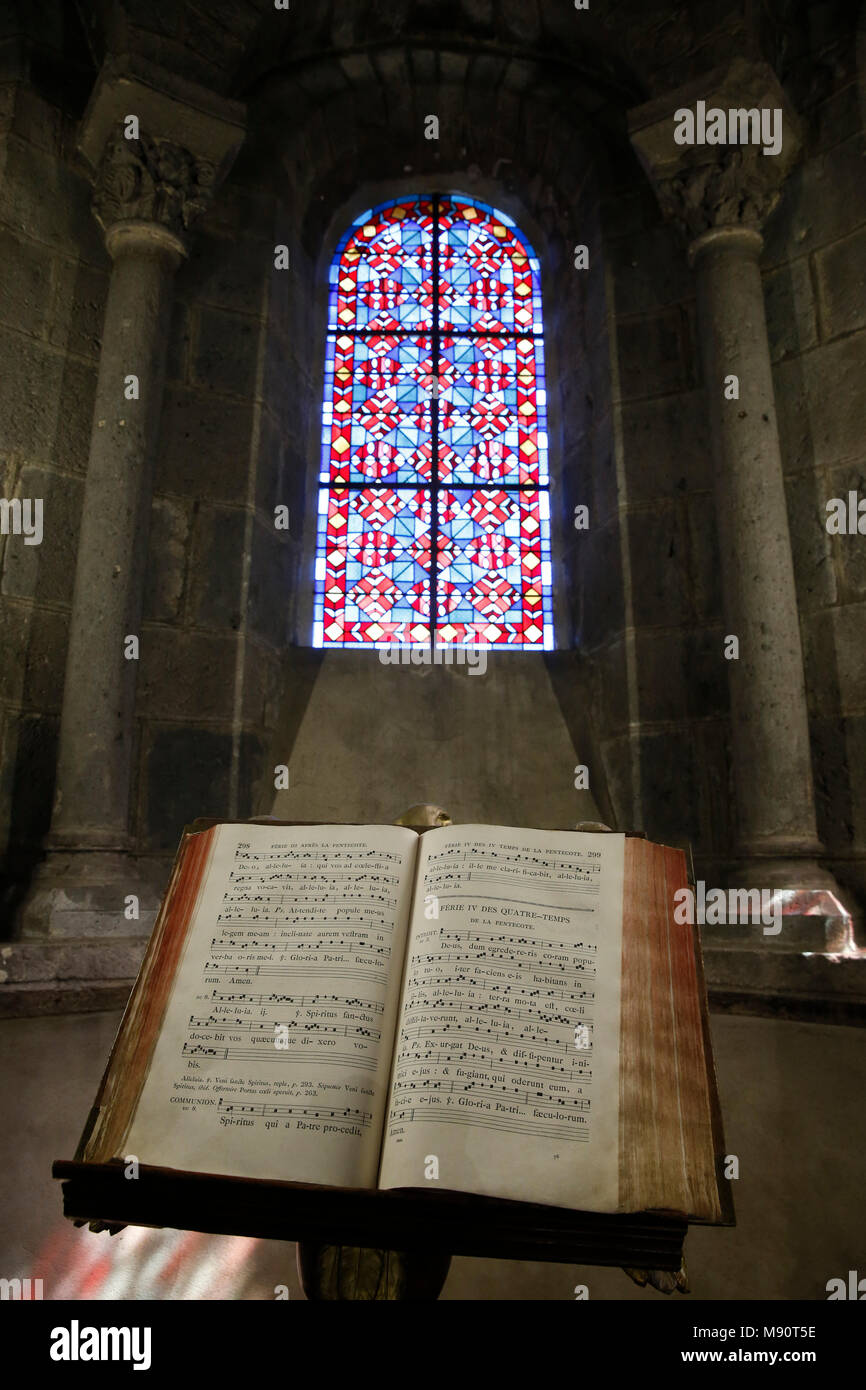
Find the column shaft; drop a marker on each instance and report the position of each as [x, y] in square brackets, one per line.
[94, 759]
[770, 730]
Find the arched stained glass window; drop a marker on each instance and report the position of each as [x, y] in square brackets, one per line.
[433, 503]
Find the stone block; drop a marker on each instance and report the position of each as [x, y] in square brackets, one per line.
[276, 483]
[791, 324]
[45, 200]
[610, 689]
[600, 565]
[186, 675]
[667, 446]
[810, 544]
[649, 271]
[156, 16]
[78, 311]
[204, 446]
[37, 121]
[29, 390]
[216, 568]
[255, 776]
[704, 560]
[44, 664]
[841, 274]
[270, 587]
[838, 751]
[214, 51]
[824, 198]
[185, 774]
[225, 352]
[25, 286]
[668, 784]
[681, 675]
[179, 335]
[28, 771]
[821, 405]
[165, 575]
[660, 567]
[657, 354]
[15, 620]
[837, 119]
[619, 781]
[46, 403]
[293, 398]
[227, 274]
[263, 686]
[848, 552]
[626, 212]
[835, 659]
[46, 571]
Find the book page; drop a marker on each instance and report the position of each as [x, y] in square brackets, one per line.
[506, 1068]
[274, 1054]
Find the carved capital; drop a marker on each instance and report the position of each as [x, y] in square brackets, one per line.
[151, 180]
[188, 140]
[721, 178]
[734, 190]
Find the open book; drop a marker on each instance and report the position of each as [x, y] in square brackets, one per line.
[478, 1009]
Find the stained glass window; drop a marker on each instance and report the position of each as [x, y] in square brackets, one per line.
[433, 501]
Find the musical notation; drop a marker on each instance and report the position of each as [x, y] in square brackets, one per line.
[512, 859]
[287, 968]
[287, 1054]
[300, 1001]
[356, 1117]
[295, 995]
[540, 943]
[480, 1045]
[534, 1129]
[294, 1025]
[525, 1095]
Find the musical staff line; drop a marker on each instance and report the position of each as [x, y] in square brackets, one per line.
[358, 1117]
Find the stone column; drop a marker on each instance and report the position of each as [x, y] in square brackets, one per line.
[94, 758]
[719, 196]
[153, 176]
[769, 723]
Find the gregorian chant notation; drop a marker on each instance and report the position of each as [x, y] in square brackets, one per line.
[525, 1095]
[335, 973]
[487, 1033]
[536, 1129]
[329, 855]
[345, 898]
[521, 1066]
[513, 991]
[575, 948]
[222, 1023]
[315, 882]
[435, 1027]
[512, 859]
[270, 1053]
[498, 956]
[287, 968]
[340, 1001]
[356, 1117]
[421, 1006]
[294, 1025]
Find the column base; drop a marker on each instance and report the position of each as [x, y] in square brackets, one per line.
[75, 948]
[800, 959]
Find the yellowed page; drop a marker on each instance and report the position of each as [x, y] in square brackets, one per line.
[274, 1055]
[490, 1078]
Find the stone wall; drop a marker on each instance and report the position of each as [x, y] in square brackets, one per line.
[815, 284]
[52, 300]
